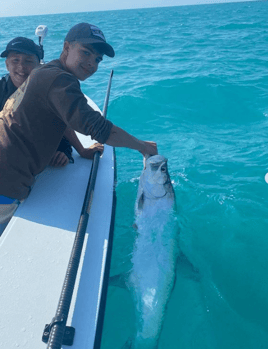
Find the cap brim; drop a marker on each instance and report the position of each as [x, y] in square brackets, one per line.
[104, 46]
[6, 52]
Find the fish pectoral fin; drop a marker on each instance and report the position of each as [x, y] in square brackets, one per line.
[119, 280]
[134, 226]
[187, 269]
[128, 344]
[141, 201]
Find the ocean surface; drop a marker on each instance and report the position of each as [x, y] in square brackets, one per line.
[195, 80]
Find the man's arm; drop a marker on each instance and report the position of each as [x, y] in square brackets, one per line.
[120, 138]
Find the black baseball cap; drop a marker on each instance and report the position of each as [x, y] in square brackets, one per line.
[90, 34]
[22, 45]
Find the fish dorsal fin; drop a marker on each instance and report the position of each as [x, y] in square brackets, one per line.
[141, 201]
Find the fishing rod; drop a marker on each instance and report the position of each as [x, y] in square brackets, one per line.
[57, 333]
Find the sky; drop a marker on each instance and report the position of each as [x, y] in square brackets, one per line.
[10, 8]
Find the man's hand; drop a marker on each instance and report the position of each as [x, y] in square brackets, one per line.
[88, 153]
[149, 148]
[120, 138]
[59, 160]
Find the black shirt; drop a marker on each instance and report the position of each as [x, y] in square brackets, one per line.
[7, 88]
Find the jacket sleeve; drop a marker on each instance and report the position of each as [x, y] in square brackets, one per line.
[67, 101]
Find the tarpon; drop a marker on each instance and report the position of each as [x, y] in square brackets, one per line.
[154, 259]
[155, 255]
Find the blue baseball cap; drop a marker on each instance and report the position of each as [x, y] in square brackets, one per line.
[22, 45]
[90, 34]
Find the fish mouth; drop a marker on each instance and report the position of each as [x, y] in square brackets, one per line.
[155, 196]
[160, 197]
[163, 190]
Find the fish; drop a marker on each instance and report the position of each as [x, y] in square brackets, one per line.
[154, 258]
[152, 276]
[155, 254]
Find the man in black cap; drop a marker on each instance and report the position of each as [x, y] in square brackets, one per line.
[50, 103]
[22, 56]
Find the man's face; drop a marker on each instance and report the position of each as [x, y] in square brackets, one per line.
[82, 60]
[20, 66]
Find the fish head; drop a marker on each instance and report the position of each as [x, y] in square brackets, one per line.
[155, 181]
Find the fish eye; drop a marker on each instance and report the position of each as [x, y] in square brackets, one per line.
[163, 169]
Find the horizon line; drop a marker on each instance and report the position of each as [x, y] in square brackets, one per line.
[206, 2]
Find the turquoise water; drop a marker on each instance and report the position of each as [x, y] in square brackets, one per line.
[195, 80]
